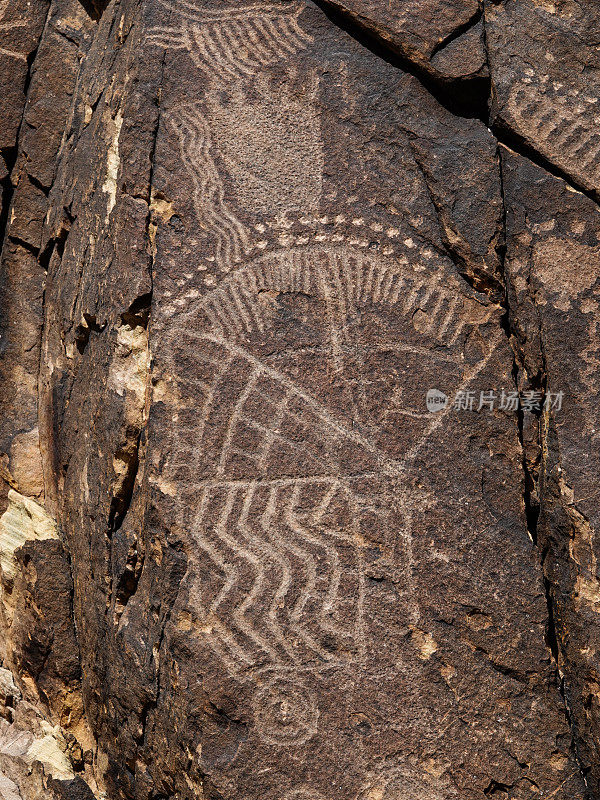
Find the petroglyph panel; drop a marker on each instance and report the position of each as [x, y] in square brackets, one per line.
[282, 484]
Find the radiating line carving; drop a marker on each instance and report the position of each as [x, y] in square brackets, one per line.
[233, 43]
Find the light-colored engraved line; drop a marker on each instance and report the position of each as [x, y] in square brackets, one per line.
[411, 298]
[588, 151]
[259, 581]
[278, 599]
[236, 45]
[458, 329]
[382, 272]
[263, 53]
[446, 322]
[211, 398]
[295, 273]
[234, 290]
[281, 284]
[225, 635]
[310, 568]
[434, 312]
[226, 313]
[561, 138]
[277, 34]
[385, 461]
[212, 312]
[170, 38]
[326, 480]
[301, 34]
[332, 596]
[387, 285]
[233, 56]
[395, 294]
[250, 304]
[217, 55]
[272, 38]
[272, 433]
[358, 274]
[13, 54]
[235, 417]
[439, 418]
[348, 282]
[190, 10]
[239, 613]
[334, 560]
[359, 629]
[332, 269]
[368, 280]
[272, 436]
[307, 273]
[292, 35]
[430, 287]
[195, 142]
[332, 318]
[245, 453]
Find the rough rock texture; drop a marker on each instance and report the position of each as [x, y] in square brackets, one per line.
[240, 557]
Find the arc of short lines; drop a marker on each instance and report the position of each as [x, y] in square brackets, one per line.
[236, 37]
[215, 60]
[235, 419]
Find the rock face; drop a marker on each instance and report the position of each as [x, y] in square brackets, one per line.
[299, 430]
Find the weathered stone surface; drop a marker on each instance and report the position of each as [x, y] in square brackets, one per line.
[246, 247]
[545, 72]
[444, 37]
[554, 266]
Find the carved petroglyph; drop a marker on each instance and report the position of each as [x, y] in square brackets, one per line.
[209, 195]
[407, 783]
[283, 489]
[285, 710]
[348, 279]
[269, 141]
[234, 43]
[566, 132]
[9, 26]
[280, 492]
